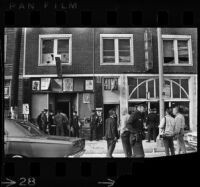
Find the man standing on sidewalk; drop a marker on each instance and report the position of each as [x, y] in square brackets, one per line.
[135, 126]
[125, 134]
[152, 125]
[111, 134]
[179, 125]
[93, 125]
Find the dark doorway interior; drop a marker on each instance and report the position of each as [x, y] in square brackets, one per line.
[63, 106]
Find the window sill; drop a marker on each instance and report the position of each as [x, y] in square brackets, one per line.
[53, 65]
[119, 64]
[177, 64]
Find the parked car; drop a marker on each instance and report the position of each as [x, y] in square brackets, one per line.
[23, 139]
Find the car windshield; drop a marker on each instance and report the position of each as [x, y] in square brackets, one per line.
[31, 128]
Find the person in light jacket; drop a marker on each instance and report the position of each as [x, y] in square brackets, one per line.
[180, 124]
[167, 131]
[125, 134]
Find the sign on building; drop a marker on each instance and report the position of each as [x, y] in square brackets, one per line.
[35, 85]
[148, 50]
[45, 82]
[86, 98]
[68, 84]
[166, 91]
[59, 65]
[25, 108]
[88, 84]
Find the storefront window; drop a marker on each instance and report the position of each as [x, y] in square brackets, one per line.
[151, 88]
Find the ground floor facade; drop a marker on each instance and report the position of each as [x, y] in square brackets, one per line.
[102, 92]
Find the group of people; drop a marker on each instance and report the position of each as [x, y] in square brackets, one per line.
[132, 130]
[58, 124]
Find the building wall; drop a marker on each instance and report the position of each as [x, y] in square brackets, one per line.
[82, 50]
[10, 59]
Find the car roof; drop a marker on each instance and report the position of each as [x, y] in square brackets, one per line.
[14, 129]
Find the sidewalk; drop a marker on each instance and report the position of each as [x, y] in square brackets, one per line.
[99, 148]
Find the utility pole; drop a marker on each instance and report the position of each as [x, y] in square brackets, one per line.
[15, 72]
[160, 63]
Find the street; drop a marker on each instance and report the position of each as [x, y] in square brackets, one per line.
[98, 149]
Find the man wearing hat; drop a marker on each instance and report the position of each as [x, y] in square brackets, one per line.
[93, 125]
[136, 128]
[152, 124]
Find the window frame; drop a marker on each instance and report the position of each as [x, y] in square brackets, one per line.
[116, 38]
[55, 37]
[175, 39]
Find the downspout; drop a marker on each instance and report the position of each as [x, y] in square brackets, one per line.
[15, 72]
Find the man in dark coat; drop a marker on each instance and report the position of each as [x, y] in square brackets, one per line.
[136, 128]
[111, 133]
[152, 125]
[52, 126]
[75, 124]
[93, 125]
[58, 120]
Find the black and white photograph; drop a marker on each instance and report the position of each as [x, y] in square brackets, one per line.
[116, 92]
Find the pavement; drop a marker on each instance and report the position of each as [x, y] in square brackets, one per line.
[99, 148]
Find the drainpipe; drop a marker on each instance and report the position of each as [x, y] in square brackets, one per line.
[160, 63]
[15, 73]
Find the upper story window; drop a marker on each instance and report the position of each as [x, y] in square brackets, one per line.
[177, 50]
[53, 45]
[116, 49]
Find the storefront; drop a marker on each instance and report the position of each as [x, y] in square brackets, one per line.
[176, 92]
[64, 94]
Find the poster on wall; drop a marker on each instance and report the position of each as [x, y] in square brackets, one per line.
[86, 98]
[25, 108]
[56, 85]
[45, 82]
[68, 84]
[88, 84]
[166, 91]
[35, 85]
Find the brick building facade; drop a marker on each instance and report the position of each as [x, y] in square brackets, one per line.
[107, 68]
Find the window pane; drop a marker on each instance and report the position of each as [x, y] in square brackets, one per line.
[108, 51]
[184, 84]
[124, 50]
[63, 49]
[176, 90]
[134, 95]
[157, 88]
[47, 52]
[47, 46]
[168, 51]
[183, 52]
[142, 90]
[108, 44]
[151, 88]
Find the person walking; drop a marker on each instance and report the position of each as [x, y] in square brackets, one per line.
[93, 126]
[136, 128]
[167, 131]
[58, 120]
[75, 124]
[39, 121]
[125, 134]
[152, 125]
[65, 123]
[179, 125]
[111, 134]
[43, 120]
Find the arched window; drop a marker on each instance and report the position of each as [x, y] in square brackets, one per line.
[149, 88]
